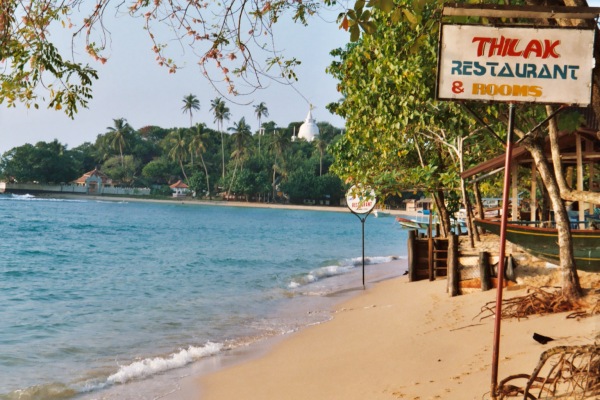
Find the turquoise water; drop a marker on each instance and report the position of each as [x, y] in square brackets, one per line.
[97, 295]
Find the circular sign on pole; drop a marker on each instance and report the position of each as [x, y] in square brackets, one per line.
[361, 200]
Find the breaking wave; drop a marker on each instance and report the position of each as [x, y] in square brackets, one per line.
[343, 267]
[151, 366]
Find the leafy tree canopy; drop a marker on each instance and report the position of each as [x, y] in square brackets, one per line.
[233, 40]
[43, 163]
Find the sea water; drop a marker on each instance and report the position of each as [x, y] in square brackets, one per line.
[97, 296]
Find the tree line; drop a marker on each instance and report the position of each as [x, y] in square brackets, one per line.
[399, 136]
[236, 162]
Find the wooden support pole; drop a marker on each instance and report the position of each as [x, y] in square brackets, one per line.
[514, 210]
[412, 259]
[581, 205]
[534, 205]
[592, 185]
[430, 255]
[484, 271]
[453, 272]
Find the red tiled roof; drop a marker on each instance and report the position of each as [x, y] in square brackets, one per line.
[179, 185]
[95, 172]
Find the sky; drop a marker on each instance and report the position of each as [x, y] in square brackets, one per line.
[132, 86]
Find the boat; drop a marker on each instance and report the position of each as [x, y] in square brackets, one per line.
[418, 224]
[380, 214]
[542, 242]
[412, 223]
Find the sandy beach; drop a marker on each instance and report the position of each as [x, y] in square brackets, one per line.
[220, 203]
[399, 340]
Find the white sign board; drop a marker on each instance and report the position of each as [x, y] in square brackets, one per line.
[544, 65]
[359, 200]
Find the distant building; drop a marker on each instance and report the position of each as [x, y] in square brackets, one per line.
[179, 189]
[94, 181]
[309, 129]
[423, 204]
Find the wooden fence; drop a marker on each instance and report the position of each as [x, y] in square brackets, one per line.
[432, 258]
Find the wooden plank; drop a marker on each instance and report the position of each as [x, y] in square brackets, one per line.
[581, 205]
[534, 205]
[533, 12]
[453, 273]
[484, 271]
[514, 172]
[430, 256]
[412, 264]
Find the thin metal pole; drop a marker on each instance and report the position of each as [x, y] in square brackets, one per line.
[505, 193]
[362, 220]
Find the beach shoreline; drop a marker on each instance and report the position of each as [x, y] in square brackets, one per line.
[219, 203]
[397, 340]
[182, 383]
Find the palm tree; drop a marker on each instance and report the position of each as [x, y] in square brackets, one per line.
[241, 135]
[178, 149]
[190, 103]
[197, 146]
[260, 110]
[221, 112]
[320, 146]
[278, 146]
[118, 135]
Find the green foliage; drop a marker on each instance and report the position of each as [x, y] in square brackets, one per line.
[190, 104]
[123, 170]
[86, 156]
[330, 187]
[155, 156]
[162, 190]
[398, 137]
[33, 63]
[197, 183]
[301, 184]
[159, 170]
[43, 163]
[570, 121]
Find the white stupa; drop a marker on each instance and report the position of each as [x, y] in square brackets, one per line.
[309, 129]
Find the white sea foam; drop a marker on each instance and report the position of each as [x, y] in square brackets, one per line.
[374, 260]
[30, 197]
[152, 366]
[335, 270]
[23, 196]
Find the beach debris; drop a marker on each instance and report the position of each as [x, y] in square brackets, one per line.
[566, 372]
[541, 338]
[537, 301]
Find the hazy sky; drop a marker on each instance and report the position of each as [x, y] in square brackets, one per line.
[132, 86]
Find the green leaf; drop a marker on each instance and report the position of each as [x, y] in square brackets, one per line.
[396, 16]
[374, 4]
[359, 5]
[410, 17]
[369, 27]
[386, 5]
[354, 33]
